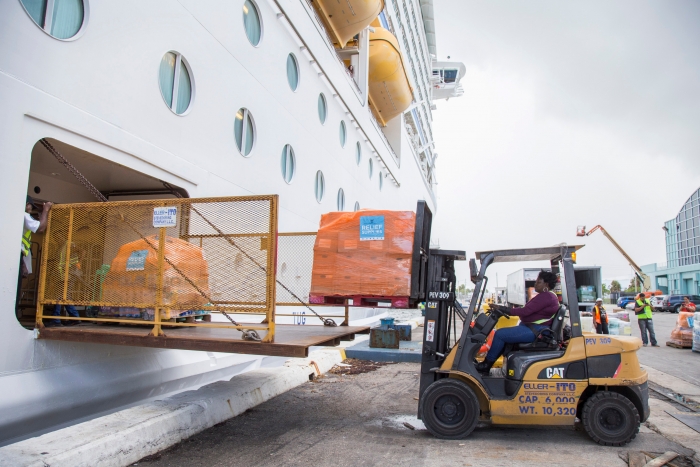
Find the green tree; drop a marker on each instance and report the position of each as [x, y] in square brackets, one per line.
[615, 286]
[606, 291]
[634, 286]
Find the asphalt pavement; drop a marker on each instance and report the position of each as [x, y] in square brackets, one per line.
[358, 420]
[681, 363]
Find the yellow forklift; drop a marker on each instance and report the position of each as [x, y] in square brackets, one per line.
[591, 379]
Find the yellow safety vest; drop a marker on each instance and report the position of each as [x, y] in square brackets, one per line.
[74, 261]
[646, 313]
[26, 242]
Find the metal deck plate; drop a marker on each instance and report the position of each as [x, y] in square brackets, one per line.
[692, 420]
[290, 340]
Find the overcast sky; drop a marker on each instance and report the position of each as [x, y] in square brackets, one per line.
[574, 113]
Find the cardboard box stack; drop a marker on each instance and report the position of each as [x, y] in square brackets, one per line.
[365, 253]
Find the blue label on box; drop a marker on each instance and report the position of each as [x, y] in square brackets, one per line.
[371, 228]
[137, 260]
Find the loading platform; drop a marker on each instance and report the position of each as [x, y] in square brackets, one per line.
[290, 340]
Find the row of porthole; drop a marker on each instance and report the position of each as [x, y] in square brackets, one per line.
[320, 184]
[65, 19]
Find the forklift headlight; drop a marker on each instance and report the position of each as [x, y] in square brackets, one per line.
[573, 257]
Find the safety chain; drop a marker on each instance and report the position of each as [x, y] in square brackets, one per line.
[326, 321]
[248, 334]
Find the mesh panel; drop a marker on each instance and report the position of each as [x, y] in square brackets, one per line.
[295, 259]
[218, 256]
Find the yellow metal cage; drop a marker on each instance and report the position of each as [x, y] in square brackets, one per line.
[153, 261]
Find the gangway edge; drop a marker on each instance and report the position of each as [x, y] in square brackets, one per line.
[290, 340]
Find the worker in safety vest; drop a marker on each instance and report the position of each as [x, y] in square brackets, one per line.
[643, 312]
[74, 274]
[600, 317]
[31, 226]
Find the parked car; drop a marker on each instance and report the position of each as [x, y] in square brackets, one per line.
[673, 303]
[623, 301]
[657, 302]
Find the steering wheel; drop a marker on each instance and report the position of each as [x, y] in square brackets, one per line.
[500, 311]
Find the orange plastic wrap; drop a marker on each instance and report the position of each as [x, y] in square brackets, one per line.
[682, 321]
[682, 336]
[133, 275]
[348, 263]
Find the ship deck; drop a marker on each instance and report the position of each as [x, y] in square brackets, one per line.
[290, 340]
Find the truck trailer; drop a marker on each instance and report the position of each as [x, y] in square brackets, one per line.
[589, 286]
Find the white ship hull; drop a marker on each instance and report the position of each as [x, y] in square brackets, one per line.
[99, 97]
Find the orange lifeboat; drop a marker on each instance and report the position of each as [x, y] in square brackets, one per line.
[390, 93]
[344, 19]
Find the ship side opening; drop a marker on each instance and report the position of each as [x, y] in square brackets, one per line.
[50, 180]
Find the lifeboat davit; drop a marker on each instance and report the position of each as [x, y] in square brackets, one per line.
[390, 93]
[344, 19]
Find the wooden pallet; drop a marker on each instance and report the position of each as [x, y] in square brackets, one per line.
[676, 346]
[368, 301]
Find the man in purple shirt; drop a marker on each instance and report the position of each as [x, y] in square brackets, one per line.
[535, 316]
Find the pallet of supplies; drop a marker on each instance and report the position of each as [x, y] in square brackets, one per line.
[618, 327]
[132, 279]
[682, 334]
[363, 254]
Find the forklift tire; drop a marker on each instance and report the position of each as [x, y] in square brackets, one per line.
[610, 419]
[450, 409]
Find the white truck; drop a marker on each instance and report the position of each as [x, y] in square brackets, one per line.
[589, 286]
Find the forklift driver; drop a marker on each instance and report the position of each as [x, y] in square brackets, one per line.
[535, 316]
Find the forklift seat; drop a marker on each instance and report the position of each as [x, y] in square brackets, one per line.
[557, 333]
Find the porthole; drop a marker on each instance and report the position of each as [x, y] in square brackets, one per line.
[357, 206]
[244, 131]
[320, 187]
[343, 134]
[292, 72]
[175, 78]
[358, 153]
[341, 200]
[381, 180]
[251, 22]
[371, 167]
[322, 108]
[288, 163]
[61, 19]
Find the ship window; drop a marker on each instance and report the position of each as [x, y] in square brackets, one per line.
[381, 181]
[357, 206]
[292, 72]
[371, 167]
[358, 153]
[175, 82]
[450, 76]
[341, 199]
[251, 22]
[62, 19]
[320, 186]
[322, 108]
[343, 133]
[244, 131]
[288, 163]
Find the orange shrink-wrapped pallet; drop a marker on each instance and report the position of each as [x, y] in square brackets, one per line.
[133, 274]
[363, 253]
[682, 334]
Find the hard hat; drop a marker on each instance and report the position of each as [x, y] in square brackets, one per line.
[599, 300]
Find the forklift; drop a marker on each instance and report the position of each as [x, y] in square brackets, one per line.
[560, 379]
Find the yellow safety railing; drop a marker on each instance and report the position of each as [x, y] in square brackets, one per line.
[174, 261]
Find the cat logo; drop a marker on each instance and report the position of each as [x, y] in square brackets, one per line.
[511, 372]
[553, 373]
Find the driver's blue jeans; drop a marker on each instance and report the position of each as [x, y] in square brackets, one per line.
[515, 335]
